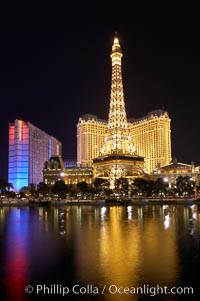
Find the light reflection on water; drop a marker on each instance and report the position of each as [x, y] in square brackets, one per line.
[126, 246]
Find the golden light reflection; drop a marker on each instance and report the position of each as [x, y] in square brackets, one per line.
[112, 245]
[160, 254]
[119, 250]
[126, 251]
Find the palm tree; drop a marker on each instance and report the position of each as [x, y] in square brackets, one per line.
[60, 189]
[5, 186]
[98, 182]
[122, 185]
[82, 187]
[43, 189]
[161, 186]
[185, 186]
[9, 186]
[143, 186]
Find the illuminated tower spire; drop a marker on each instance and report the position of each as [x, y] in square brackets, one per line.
[118, 140]
[117, 157]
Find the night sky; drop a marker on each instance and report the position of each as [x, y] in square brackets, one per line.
[55, 66]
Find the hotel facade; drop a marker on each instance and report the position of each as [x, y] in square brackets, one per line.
[54, 170]
[151, 135]
[29, 148]
[152, 138]
[91, 133]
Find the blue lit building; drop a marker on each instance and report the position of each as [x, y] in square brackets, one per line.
[70, 163]
[29, 148]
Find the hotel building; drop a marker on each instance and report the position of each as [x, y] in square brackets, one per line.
[91, 132]
[152, 138]
[151, 135]
[172, 171]
[54, 170]
[29, 148]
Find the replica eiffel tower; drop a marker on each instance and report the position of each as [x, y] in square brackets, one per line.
[118, 158]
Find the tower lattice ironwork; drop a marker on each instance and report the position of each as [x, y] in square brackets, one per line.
[118, 139]
[118, 156]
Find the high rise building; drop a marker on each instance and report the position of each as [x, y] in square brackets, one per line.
[152, 138]
[118, 157]
[29, 148]
[91, 133]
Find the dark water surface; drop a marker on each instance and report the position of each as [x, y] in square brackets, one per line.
[102, 253]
